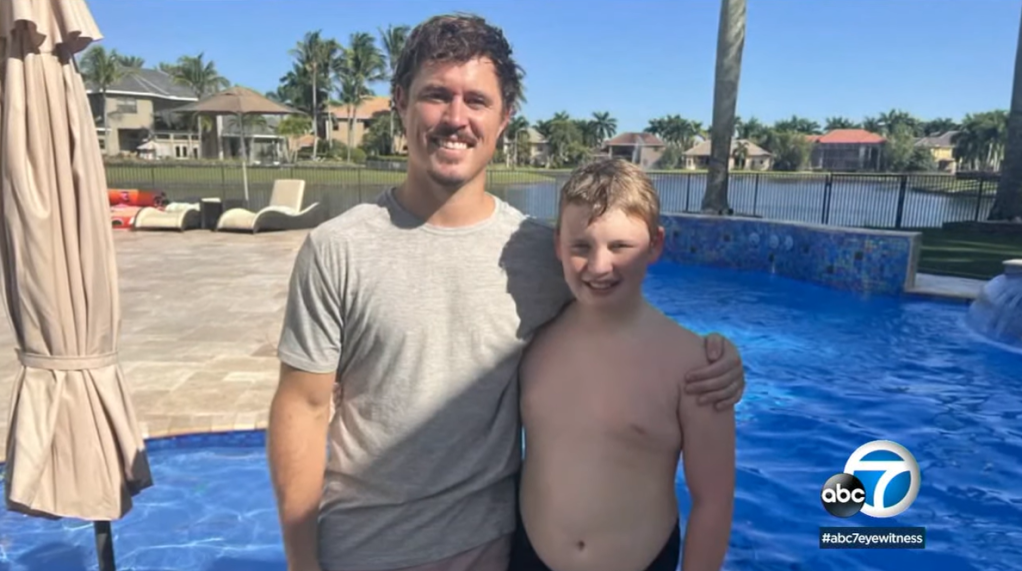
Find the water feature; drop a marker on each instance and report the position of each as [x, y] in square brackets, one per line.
[997, 311]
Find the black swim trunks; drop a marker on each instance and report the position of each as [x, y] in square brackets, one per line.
[525, 558]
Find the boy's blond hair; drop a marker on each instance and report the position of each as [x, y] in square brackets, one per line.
[613, 183]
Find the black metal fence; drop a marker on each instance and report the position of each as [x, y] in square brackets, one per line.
[874, 200]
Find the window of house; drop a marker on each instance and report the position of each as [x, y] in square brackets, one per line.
[127, 105]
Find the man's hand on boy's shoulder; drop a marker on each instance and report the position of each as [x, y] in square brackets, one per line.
[722, 382]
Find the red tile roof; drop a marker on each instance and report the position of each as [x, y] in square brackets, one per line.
[850, 136]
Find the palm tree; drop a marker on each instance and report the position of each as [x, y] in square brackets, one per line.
[730, 44]
[1008, 201]
[315, 57]
[740, 154]
[604, 125]
[979, 143]
[833, 123]
[754, 130]
[201, 77]
[896, 119]
[103, 69]
[873, 125]
[132, 62]
[291, 128]
[515, 128]
[393, 38]
[361, 64]
[798, 125]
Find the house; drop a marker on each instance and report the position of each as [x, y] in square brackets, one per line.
[643, 149]
[847, 150]
[745, 155]
[262, 143]
[376, 106]
[534, 149]
[942, 148]
[139, 110]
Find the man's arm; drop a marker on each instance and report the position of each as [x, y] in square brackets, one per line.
[310, 352]
[296, 450]
[722, 382]
[709, 460]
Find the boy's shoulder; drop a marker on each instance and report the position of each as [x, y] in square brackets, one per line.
[673, 341]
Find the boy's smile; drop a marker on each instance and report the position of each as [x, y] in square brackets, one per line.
[605, 262]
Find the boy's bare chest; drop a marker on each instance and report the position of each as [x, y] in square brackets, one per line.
[625, 392]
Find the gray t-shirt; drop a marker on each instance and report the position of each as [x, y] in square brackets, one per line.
[425, 327]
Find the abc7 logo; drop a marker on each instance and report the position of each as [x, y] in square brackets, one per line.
[881, 462]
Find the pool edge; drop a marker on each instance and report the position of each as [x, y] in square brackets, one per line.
[172, 433]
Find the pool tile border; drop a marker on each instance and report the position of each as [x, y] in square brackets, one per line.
[853, 259]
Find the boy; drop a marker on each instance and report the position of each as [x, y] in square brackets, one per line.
[603, 405]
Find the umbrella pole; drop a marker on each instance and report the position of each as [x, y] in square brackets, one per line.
[244, 157]
[104, 545]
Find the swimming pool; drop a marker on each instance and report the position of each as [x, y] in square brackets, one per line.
[828, 371]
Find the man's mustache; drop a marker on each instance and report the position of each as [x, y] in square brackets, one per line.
[442, 132]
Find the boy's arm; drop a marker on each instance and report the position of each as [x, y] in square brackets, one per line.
[709, 460]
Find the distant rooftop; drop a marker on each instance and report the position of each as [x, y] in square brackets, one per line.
[937, 141]
[635, 139]
[702, 149]
[365, 110]
[148, 83]
[850, 137]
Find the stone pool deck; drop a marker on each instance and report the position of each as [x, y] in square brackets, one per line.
[964, 289]
[201, 316]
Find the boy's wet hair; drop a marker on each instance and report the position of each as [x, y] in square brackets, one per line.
[458, 38]
[607, 184]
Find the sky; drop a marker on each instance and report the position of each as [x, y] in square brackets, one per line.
[638, 59]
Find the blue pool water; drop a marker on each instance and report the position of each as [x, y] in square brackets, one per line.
[827, 372]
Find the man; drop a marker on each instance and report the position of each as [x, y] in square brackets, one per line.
[405, 323]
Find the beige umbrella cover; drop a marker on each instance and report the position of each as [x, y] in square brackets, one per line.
[74, 448]
[237, 100]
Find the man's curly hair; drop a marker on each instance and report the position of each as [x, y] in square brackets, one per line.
[458, 38]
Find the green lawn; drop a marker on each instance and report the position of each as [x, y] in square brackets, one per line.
[119, 175]
[968, 255]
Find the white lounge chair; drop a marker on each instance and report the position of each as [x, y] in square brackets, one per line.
[285, 211]
[179, 216]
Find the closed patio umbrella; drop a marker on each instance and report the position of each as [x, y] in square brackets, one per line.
[74, 448]
[238, 101]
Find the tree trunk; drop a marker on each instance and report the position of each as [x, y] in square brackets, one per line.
[1008, 201]
[504, 149]
[390, 142]
[730, 43]
[106, 128]
[220, 137]
[198, 129]
[351, 129]
[315, 114]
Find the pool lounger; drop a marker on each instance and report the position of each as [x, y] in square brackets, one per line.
[179, 216]
[284, 212]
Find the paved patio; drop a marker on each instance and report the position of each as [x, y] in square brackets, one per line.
[201, 316]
